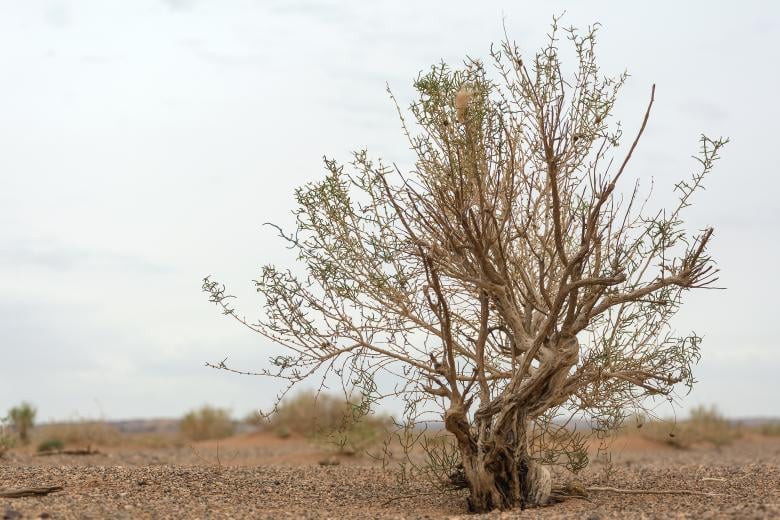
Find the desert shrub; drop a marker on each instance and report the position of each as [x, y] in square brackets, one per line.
[255, 420]
[328, 418]
[500, 278]
[51, 445]
[283, 432]
[80, 433]
[705, 425]
[308, 414]
[207, 423]
[358, 434]
[23, 417]
[770, 428]
[710, 426]
[7, 441]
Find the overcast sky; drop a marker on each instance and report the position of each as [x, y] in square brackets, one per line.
[143, 143]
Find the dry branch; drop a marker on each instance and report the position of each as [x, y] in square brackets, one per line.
[29, 492]
[80, 451]
[653, 491]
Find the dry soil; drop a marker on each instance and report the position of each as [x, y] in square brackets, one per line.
[259, 476]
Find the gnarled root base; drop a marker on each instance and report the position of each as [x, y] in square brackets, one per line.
[499, 473]
[502, 491]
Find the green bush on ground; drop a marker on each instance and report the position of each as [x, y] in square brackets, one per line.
[51, 445]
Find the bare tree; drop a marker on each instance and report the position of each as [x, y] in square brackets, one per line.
[502, 278]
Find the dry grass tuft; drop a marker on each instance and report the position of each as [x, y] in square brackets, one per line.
[330, 419]
[7, 441]
[82, 433]
[207, 423]
[769, 428]
[705, 425]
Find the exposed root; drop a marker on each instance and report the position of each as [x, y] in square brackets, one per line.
[653, 491]
[556, 497]
[29, 492]
[575, 489]
[571, 489]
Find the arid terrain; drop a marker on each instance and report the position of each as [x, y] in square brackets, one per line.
[259, 475]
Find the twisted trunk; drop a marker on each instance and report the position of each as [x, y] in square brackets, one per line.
[496, 462]
[499, 471]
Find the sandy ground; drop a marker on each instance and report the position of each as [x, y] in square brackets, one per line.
[260, 476]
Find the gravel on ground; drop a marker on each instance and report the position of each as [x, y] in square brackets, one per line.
[155, 484]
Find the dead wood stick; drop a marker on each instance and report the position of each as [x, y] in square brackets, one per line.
[86, 451]
[653, 491]
[557, 496]
[29, 492]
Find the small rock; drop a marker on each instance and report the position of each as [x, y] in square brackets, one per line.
[596, 514]
[11, 514]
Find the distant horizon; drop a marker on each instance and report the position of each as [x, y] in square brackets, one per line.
[752, 419]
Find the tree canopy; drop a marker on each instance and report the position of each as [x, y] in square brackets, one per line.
[503, 278]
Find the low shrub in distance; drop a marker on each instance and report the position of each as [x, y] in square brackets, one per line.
[207, 423]
[705, 425]
[79, 433]
[349, 425]
[7, 440]
[23, 418]
[51, 445]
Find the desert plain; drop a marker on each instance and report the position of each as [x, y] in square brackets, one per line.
[260, 475]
